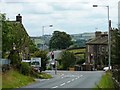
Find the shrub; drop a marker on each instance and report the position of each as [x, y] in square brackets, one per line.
[25, 68]
[15, 58]
[67, 59]
[5, 67]
[43, 56]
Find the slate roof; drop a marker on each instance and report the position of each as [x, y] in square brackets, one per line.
[102, 40]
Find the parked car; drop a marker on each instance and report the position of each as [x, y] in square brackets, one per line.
[107, 68]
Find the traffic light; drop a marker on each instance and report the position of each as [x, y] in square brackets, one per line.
[52, 55]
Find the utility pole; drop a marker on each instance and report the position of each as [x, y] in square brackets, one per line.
[43, 28]
[109, 35]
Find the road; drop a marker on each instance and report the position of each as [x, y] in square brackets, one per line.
[69, 79]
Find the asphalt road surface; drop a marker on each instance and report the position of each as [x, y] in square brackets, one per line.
[69, 79]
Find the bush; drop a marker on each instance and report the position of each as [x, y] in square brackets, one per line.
[44, 58]
[67, 59]
[5, 67]
[25, 68]
[15, 58]
[44, 76]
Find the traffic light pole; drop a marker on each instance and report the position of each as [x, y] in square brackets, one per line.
[55, 62]
[55, 67]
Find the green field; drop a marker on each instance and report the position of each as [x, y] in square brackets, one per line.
[81, 51]
[78, 50]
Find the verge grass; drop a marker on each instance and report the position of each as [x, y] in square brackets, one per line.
[105, 82]
[13, 79]
[43, 75]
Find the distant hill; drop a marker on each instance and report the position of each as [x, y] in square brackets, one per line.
[78, 39]
[81, 39]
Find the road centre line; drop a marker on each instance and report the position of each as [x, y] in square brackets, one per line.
[81, 75]
[55, 87]
[62, 84]
[72, 79]
[76, 78]
[68, 81]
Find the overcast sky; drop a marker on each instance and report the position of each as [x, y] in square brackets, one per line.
[71, 16]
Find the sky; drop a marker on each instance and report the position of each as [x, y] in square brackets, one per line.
[70, 16]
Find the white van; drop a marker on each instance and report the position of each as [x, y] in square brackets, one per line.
[36, 63]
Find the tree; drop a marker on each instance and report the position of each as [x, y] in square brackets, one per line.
[60, 40]
[14, 33]
[115, 47]
[115, 54]
[3, 16]
[67, 59]
[15, 58]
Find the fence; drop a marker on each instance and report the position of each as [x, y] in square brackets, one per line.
[5, 64]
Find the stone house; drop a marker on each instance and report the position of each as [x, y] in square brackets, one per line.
[97, 51]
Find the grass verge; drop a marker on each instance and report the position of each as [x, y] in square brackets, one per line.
[105, 82]
[13, 79]
[44, 76]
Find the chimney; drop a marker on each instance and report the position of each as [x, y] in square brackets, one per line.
[98, 33]
[19, 18]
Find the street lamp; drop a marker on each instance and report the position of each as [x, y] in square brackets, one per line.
[43, 28]
[109, 36]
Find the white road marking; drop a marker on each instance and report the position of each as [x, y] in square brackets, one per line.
[81, 75]
[72, 79]
[68, 81]
[61, 77]
[72, 75]
[62, 84]
[55, 87]
[76, 78]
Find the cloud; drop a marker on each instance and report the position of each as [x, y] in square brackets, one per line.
[38, 8]
[73, 16]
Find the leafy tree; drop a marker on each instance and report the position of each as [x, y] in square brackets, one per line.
[15, 58]
[115, 47]
[115, 55]
[43, 56]
[3, 16]
[32, 47]
[60, 40]
[68, 59]
[13, 33]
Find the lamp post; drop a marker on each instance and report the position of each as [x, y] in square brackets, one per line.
[43, 28]
[109, 35]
